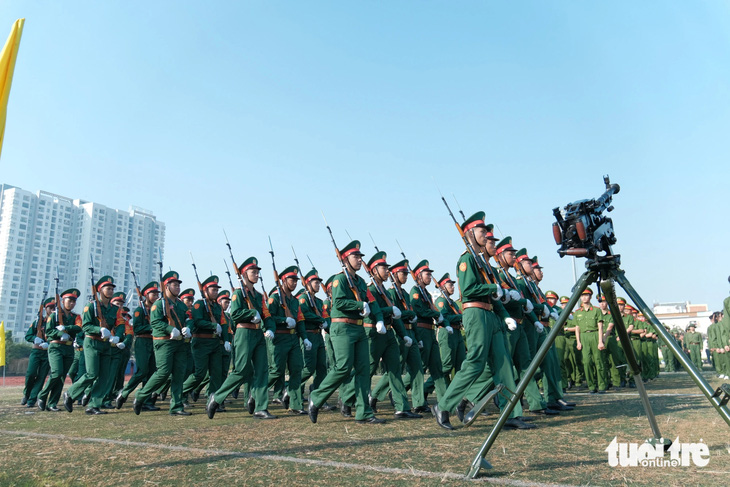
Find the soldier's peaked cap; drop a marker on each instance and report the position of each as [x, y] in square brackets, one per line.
[249, 263]
[151, 287]
[351, 248]
[72, 293]
[504, 245]
[171, 276]
[476, 220]
[291, 272]
[212, 281]
[400, 266]
[105, 281]
[377, 259]
[422, 267]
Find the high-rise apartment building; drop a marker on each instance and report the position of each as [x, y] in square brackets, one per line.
[43, 233]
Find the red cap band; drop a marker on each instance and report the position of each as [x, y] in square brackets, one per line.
[345, 254]
[421, 269]
[213, 283]
[399, 269]
[288, 274]
[473, 224]
[379, 261]
[150, 290]
[102, 284]
[69, 295]
[505, 247]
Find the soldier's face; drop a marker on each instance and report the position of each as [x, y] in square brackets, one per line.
[212, 292]
[509, 257]
[152, 296]
[381, 271]
[107, 291]
[225, 303]
[69, 303]
[526, 266]
[252, 275]
[537, 272]
[585, 299]
[402, 277]
[449, 287]
[315, 285]
[291, 283]
[491, 247]
[426, 278]
[480, 236]
[174, 288]
[188, 302]
[355, 261]
[603, 305]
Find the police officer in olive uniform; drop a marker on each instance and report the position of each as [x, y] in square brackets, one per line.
[61, 334]
[98, 320]
[349, 340]
[589, 340]
[143, 349]
[254, 325]
[171, 321]
[693, 342]
[38, 366]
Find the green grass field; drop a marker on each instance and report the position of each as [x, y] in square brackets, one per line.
[61, 449]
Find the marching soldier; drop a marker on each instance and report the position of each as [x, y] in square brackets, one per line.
[170, 320]
[315, 321]
[119, 352]
[451, 345]
[254, 324]
[589, 340]
[143, 347]
[208, 328]
[428, 319]
[482, 317]
[38, 366]
[286, 347]
[60, 351]
[98, 319]
[349, 340]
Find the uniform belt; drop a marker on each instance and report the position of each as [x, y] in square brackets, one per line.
[313, 331]
[286, 332]
[248, 326]
[161, 338]
[478, 304]
[205, 335]
[144, 335]
[95, 337]
[408, 326]
[347, 320]
[428, 326]
[37, 347]
[370, 325]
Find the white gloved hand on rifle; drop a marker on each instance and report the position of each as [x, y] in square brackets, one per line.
[269, 335]
[175, 334]
[511, 324]
[449, 329]
[380, 328]
[396, 313]
[65, 337]
[440, 318]
[515, 295]
[307, 344]
[218, 330]
[37, 341]
[365, 310]
[498, 293]
[554, 315]
[186, 332]
[227, 346]
[545, 311]
[61, 328]
[121, 346]
[256, 318]
[105, 333]
[290, 322]
[539, 327]
[114, 340]
[528, 306]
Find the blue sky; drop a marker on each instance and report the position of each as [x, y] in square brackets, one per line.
[258, 115]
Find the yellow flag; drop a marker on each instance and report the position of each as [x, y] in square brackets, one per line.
[7, 66]
[2, 343]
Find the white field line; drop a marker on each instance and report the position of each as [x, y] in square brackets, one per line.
[280, 458]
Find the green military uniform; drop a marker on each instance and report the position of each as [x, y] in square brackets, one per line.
[327, 308]
[170, 320]
[722, 338]
[254, 325]
[143, 347]
[667, 354]
[118, 352]
[97, 353]
[693, 342]
[78, 366]
[613, 355]
[349, 340]
[560, 342]
[586, 319]
[429, 318]
[484, 317]
[451, 345]
[315, 320]
[208, 328]
[409, 353]
[226, 346]
[573, 358]
[38, 366]
[60, 351]
[286, 349]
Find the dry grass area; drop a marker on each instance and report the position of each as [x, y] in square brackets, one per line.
[569, 449]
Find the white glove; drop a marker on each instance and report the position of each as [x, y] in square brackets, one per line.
[365, 310]
[325, 325]
[65, 337]
[61, 328]
[545, 311]
[441, 318]
[114, 340]
[380, 327]
[121, 346]
[554, 315]
[528, 306]
[449, 329]
[396, 313]
[499, 292]
[515, 295]
[307, 344]
[269, 335]
[420, 343]
[218, 330]
[44, 346]
[76, 345]
[408, 341]
[227, 346]
[105, 333]
[506, 298]
[290, 322]
[186, 332]
[539, 327]
[175, 335]
[37, 341]
[511, 324]
[414, 320]
[257, 318]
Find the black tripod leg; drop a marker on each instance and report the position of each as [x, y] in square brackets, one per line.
[714, 398]
[479, 462]
[618, 322]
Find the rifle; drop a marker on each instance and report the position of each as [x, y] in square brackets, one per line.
[350, 283]
[310, 295]
[202, 292]
[413, 276]
[378, 287]
[95, 295]
[449, 301]
[60, 312]
[228, 272]
[241, 277]
[40, 328]
[139, 291]
[277, 282]
[396, 287]
[484, 268]
[162, 286]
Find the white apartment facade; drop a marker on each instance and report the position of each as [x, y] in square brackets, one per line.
[42, 233]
